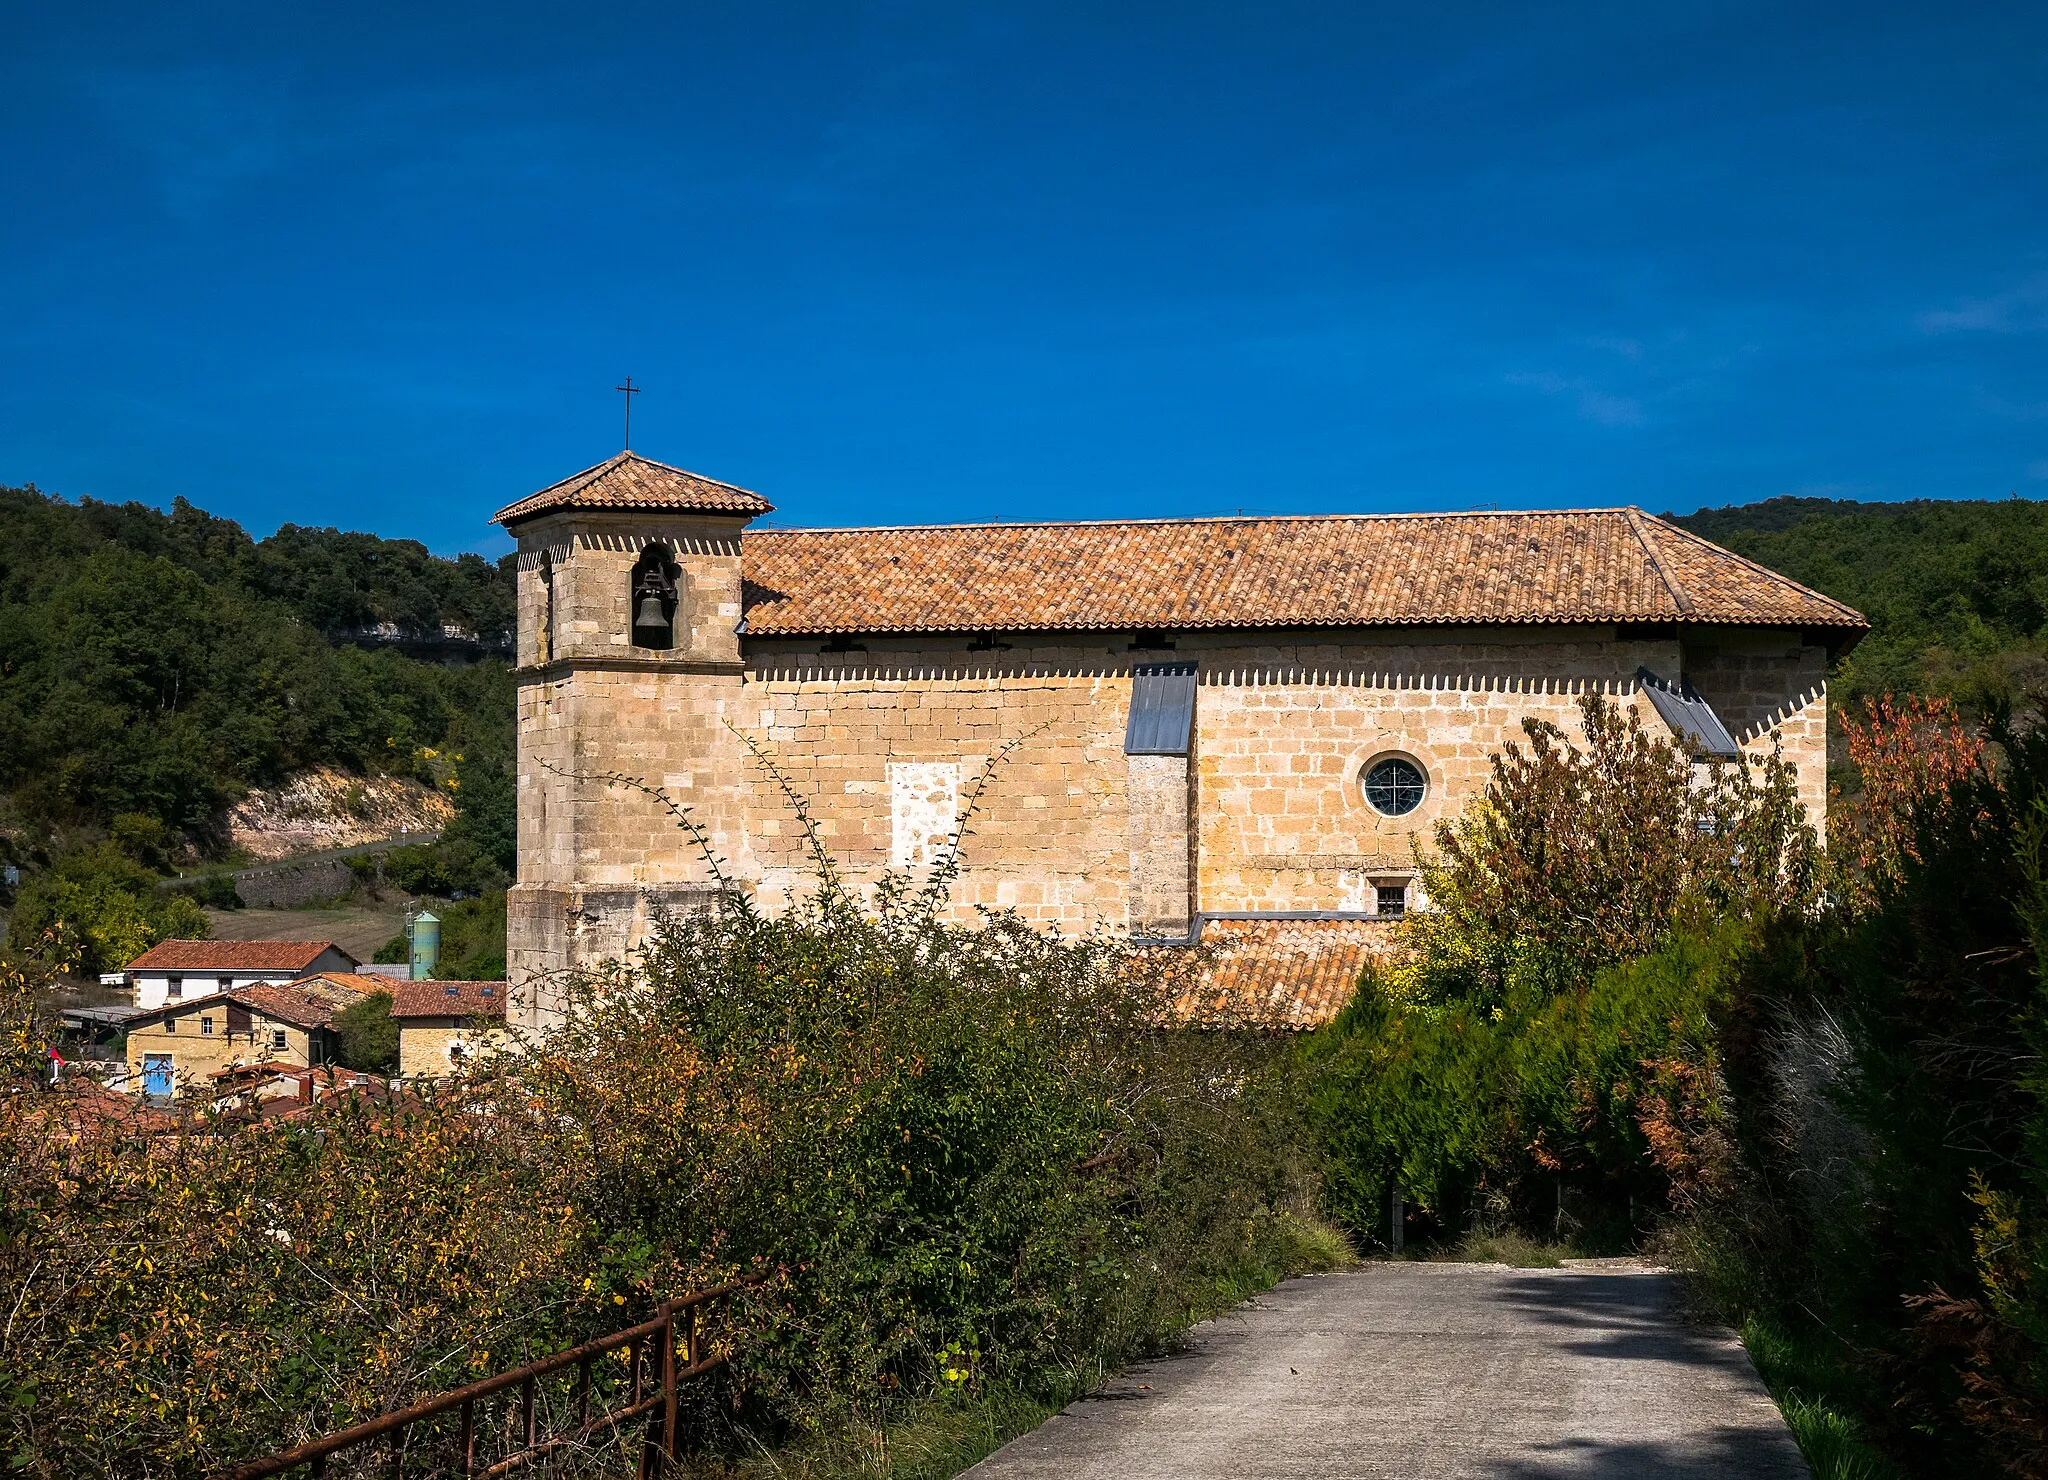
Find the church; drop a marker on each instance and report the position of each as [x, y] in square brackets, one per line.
[1227, 731]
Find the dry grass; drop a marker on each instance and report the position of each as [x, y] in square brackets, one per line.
[1517, 1250]
[357, 928]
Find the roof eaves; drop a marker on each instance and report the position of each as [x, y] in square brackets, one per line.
[762, 624]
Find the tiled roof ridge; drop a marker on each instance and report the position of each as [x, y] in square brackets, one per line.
[563, 492]
[1722, 552]
[1177, 519]
[620, 459]
[280, 999]
[231, 953]
[430, 997]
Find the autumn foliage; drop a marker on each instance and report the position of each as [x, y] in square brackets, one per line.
[954, 1157]
[1910, 754]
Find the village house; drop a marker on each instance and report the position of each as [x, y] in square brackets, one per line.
[443, 1025]
[269, 1091]
[174, 970]
[1229, 730]
[186, 1042]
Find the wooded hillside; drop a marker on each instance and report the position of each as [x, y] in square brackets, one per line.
[1956, 591]
[156, 664]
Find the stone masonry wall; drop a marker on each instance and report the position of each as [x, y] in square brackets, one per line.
[1769, 689]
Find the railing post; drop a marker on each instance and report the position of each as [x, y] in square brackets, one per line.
[634, 1362]
[526, 1402]
[398, 1453]
[469, 1436]
[668, 1385]
[650, 1449]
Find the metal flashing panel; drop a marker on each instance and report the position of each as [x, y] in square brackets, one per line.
[1162, 709]
[1690, 717]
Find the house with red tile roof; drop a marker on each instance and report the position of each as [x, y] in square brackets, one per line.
[177, 970]
[443, 1025]
[187, 1041]
[1232, 731]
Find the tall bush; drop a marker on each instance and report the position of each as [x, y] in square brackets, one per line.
[1884, 1209]
[1548, 1025]
[97, 910]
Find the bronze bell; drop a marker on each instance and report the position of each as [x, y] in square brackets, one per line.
[650, 620]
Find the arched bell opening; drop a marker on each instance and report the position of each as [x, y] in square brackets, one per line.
[654, 598]
[544, 626]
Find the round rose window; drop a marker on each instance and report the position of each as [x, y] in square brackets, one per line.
[1394, 787]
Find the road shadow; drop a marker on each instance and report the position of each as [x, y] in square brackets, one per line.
[1640, 1316]
[1713, 1454]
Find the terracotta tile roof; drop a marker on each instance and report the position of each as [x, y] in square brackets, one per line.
[294, 1004]
[268, 1069]
[233, 955]
[1294, 974]
[310, 1002]
[447, 999]
[630, 481]
[353, 984]
[80, 1106]
[1588, 565]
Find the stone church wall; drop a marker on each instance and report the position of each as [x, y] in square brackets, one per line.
[884, 740]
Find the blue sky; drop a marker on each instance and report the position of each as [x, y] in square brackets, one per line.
[381, 267]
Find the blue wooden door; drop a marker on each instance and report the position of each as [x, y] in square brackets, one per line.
[156, 1074]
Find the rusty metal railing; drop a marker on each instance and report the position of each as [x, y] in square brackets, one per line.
[655, 1339]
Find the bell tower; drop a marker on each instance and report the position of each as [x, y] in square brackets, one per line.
[628, 663]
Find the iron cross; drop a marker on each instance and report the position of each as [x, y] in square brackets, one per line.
[631, 390]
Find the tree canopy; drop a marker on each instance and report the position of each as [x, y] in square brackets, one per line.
[159, 664]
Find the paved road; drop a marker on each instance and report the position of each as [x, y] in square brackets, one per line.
[1431, 1370]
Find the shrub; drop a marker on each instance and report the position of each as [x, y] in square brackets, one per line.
[1888, 1194]
[973, 1151]
[448, 866]
[210, 891]
[963, 1158]
[473, 938]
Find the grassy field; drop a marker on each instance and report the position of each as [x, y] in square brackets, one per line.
[357, 928]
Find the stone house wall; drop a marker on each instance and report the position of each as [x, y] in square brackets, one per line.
[195, 1054]
[425, 1044]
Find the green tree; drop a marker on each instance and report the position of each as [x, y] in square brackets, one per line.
[97, 910]
[154, 666]
[369, 1035]
[1549, 1022]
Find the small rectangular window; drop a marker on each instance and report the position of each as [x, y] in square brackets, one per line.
[1162, 709]
[277, 1038]
[1391, 899]
[174, 986]
[170, 1025]
[206, 1027]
